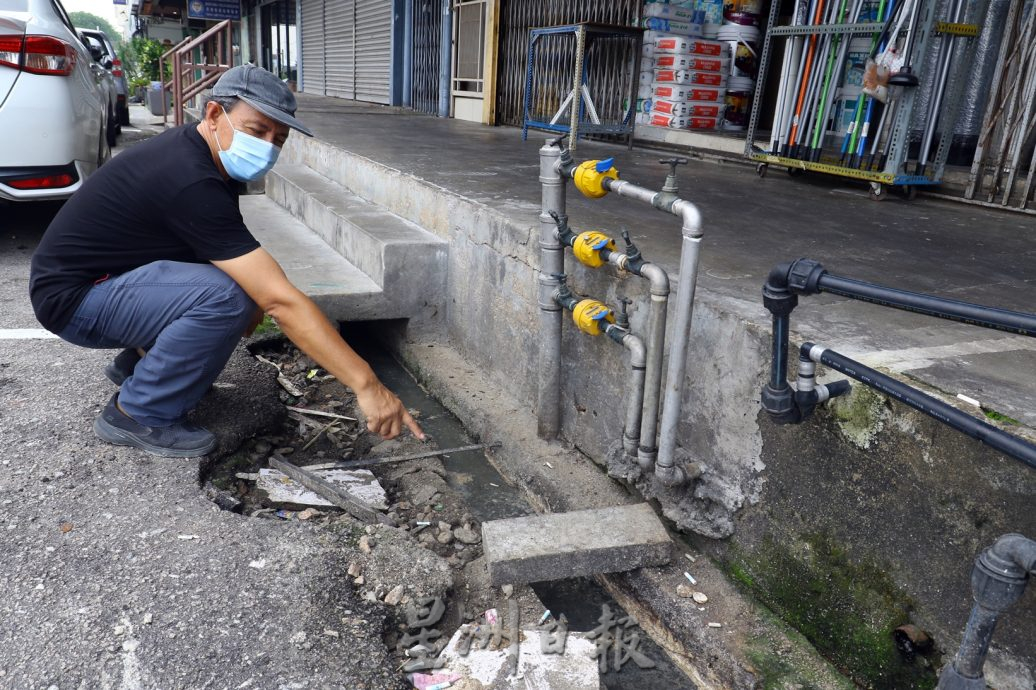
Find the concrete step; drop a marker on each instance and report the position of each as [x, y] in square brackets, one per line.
[405, 261]
[340, 289]
[554, 546]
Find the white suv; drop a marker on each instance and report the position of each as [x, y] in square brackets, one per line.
[53, 103]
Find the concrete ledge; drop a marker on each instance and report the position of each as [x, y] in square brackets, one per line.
[404, 260]
[586, 542]
[341, 290]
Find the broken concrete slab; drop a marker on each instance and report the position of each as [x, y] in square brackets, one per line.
[554, 546]
[362, 484]
[576, 669]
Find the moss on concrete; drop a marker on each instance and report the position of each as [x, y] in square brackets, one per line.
[847, 610]
[860, 415]
[788, 662]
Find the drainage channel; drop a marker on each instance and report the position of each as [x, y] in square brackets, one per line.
[470, 492]
[489, 497]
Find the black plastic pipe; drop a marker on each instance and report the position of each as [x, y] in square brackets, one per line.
[808, 277]
[995, 438]
[954, 310]
[997, 582]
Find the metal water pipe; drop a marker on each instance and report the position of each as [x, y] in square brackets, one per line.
[595, 179]
[997, 582]
[665, 466]
[595, 318]
[666, 469]
[552, 264]
[588, 248]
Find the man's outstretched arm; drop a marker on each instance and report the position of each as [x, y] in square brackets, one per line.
[262, 278]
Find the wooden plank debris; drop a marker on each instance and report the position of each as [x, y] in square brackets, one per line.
[325, 489]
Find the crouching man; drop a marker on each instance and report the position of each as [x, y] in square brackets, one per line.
[152, 255]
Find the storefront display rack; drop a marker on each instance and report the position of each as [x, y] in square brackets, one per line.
[898, 169]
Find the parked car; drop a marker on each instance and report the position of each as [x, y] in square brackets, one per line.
[113, 64]
[53, 103]
[102, 65]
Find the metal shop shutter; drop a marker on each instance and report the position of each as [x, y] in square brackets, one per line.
[373, 50]
[313, 46]
[339, 47]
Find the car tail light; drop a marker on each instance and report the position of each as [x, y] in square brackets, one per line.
[38, 54]
[117, 68]
[11, 51]
[45, 182]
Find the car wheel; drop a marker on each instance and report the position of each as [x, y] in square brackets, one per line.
[123, 116]
[110, 132]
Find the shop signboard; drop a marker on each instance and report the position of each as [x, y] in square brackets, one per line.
[216, 10]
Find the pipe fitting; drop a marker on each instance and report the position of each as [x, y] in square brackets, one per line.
[691, 217]
[778, 299]
[788, 406]
[804, 276]
[671, 477]
[1001, 571]
[998, 581]
[563, 234]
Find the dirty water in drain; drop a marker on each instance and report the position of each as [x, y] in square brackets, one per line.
[472, 490]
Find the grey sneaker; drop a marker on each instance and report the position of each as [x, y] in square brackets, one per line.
[121, 368]
[175, 441]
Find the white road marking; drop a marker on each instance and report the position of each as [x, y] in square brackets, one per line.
[26, 334]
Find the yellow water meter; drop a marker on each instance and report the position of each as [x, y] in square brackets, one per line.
[591, 316]
[587, 247]
[589, 177]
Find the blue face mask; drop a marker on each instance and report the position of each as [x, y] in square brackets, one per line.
[248, 157]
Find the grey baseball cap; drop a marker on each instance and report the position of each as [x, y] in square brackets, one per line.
[263, 91]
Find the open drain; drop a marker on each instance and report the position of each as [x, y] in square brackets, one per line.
[426, 551]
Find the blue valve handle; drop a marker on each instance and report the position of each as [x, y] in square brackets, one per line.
[605, 165]
[601, 243]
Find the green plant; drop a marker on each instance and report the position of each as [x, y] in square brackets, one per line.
[1000, 417]
[149, 54]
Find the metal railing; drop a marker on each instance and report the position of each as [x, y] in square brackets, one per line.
[196, 65]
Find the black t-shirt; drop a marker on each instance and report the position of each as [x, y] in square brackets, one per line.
[164, 199]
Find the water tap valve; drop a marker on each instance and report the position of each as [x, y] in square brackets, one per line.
[589, 177]
[589, 245]
[622, 319]
[670, 179]
[592, 316]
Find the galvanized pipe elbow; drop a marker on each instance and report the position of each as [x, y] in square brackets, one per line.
[691, 217]
[657, 277]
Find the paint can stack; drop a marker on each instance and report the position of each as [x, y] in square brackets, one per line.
[688, 74]
[663, 20]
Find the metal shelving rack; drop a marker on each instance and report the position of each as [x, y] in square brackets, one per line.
[578, 101]
[895, 171]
